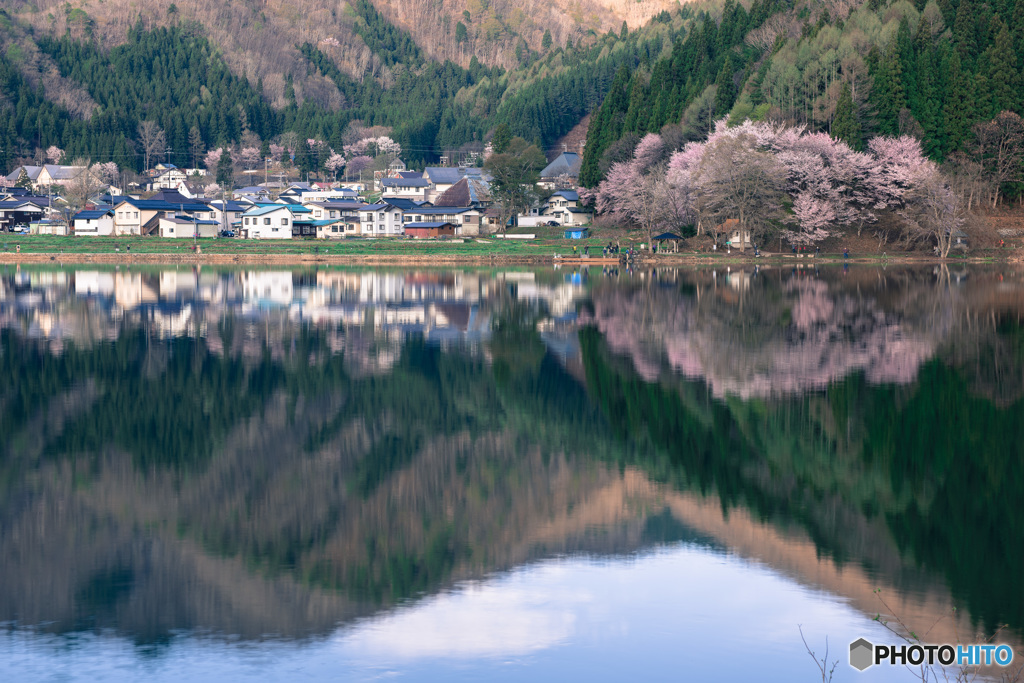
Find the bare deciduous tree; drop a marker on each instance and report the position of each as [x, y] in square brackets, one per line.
[153, 140]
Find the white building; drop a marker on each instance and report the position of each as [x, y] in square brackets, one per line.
[272, 222]
[381, 220]
[98, 223]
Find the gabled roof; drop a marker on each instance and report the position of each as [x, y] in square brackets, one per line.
[58, 172]
[466, 192]
[571, 195]
[377, 207]
[341, 205]
[426, 225]
[410, 174]
[566, 163]
[449, 175]
[31, 171]
[91, 215]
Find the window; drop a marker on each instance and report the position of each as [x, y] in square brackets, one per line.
[334, 214]
[334, 228]
[465, 219]
[266, 221]
[136, 214]
[284, 221]
[380, 215]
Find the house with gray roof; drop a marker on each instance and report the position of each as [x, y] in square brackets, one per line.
[563, 172]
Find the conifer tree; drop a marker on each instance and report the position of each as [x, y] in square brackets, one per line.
[725, 92]
[958, 108]
[1003, 79]
[845, 125]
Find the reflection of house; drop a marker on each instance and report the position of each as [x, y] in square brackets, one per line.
[267, 287]
[93, 283]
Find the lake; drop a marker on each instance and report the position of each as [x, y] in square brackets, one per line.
[505, 474]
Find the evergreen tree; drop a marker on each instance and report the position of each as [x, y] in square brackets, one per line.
[846, 125]
[725, 92]
[888, 92]
[501, 139]
[958, 108]
[225, 171]
[1004, 82]
[545, 42]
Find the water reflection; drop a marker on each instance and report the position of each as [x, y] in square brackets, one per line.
[279, 452]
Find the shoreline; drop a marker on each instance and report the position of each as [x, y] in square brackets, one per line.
[647, 260]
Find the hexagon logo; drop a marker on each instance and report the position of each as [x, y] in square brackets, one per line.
[861, 654]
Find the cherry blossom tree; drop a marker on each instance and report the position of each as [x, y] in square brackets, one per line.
[212, 158]
[54, 154]
[249, 157]
[358, 164]
[335, 163]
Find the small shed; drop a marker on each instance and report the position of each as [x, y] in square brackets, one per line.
[423, 230]
[576, 233]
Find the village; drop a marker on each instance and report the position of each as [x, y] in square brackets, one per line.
[439, 202]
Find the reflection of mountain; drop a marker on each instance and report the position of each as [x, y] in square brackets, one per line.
[249, 476]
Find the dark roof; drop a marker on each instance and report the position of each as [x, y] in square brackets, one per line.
[147, 204]
[466, 192]
[428, 225]
[449, 175]
[410, 174]
[404, 182]
[571, 195]
[400, 203]
[440, 210]
[172, 196]
[667, 236]
[90, 215]
[566, 163]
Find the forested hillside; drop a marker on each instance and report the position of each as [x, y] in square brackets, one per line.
[178, 78]
[928, 69]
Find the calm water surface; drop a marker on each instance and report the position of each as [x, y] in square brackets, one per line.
[214, 474]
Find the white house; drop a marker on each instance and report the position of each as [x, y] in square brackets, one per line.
[167, 177]
[99, 223]
[409, 188]
[271, 222]
[381, 220]
[565, 207]
[186, 227]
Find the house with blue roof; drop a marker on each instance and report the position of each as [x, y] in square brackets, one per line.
[409, 188]
[96, 223]
[565, 207]
[277, 222]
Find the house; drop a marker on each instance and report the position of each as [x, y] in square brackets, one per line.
[184, 226]
[564, 207]
[166, 177]
[563, 172]
[44, 176]
[330, 194]
[465, 219]
[21, 211]
[253, 191]
[731, 227]
[233, 217]
[141, 216]
[49, 226]
[411, 188]
[381, 220]
[442, 178]
[337, 219]
[271, 221]
[191, 190]
[433, 229]
[97, 223]
[468, 191]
